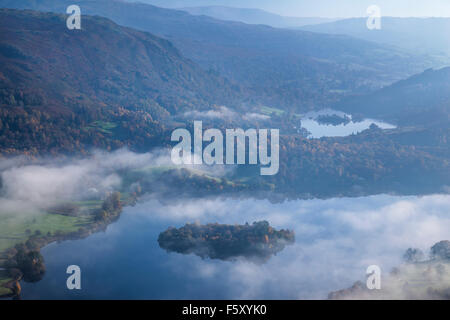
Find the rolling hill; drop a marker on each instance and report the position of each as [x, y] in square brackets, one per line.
[84, 83]
[295, 70]
[421, 99]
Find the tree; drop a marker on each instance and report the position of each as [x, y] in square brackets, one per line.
[441, 250]
[31, 263]
[101, 215]
[413, 255]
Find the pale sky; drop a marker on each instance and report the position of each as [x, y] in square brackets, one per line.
[324, 8]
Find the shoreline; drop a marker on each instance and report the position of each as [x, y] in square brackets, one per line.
[14, 274]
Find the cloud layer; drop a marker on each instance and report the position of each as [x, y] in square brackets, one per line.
[337, 240]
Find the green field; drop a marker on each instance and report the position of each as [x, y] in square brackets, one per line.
[102, 126]
[269, 110]
[89, 204]
[3, 280]
[4, 291]
[153, 172]
[17, 228]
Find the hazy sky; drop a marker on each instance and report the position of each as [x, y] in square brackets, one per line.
[324, 8]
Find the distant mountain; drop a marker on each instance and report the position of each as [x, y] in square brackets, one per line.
[296, 70]
[254, 16]
[422, 35]
[70, 79]
[421, 99]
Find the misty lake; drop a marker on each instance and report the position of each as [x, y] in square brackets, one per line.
[336, 240]
[318, 130]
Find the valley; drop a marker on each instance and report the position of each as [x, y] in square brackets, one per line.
[88, 119]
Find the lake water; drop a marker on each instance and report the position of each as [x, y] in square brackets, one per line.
[318, 130]
[336, 240]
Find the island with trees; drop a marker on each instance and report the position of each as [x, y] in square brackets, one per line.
[333, 119]
[256, 242]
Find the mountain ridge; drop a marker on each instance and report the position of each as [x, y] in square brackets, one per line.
[53, 79]
[410, 101]
[415, 34]
[254, 16]
[295, 70]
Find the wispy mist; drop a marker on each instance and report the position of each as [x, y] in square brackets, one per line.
[336, 240]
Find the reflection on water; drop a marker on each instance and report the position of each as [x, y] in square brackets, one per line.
[336, 240]
[318, 130]
[256, 242]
